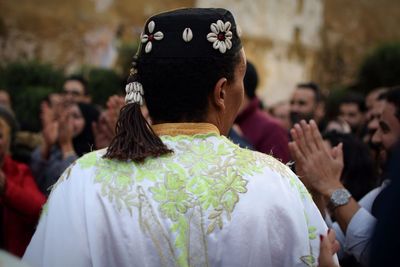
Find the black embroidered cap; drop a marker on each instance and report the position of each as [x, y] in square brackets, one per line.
[189, 33]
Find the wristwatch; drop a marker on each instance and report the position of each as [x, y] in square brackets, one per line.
[340, 197]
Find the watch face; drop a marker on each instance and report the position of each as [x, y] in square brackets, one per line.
[340, 197]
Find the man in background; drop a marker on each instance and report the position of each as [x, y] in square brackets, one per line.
[75, 89]
[306, 104]
[263, 132]
[352, 110]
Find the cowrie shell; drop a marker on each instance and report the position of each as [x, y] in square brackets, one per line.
[151, 26]
[187, 35]
[148, 47]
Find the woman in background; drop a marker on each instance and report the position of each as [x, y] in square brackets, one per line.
[66, 137]
[20, 199]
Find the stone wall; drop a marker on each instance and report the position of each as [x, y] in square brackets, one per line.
[281, 38]
[288, 40]
[74, 32]
[351, 30]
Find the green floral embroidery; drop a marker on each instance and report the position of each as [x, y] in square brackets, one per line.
[172, 195]
[308, 260]
[312, 235]
[201, 176]
[88, 160]
[312, 232]
[115, 178]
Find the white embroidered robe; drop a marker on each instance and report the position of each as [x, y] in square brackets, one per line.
[210, 203]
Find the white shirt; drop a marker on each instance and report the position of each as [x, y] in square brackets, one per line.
[360, 229]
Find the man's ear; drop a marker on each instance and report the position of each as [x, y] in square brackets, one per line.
[219, 94]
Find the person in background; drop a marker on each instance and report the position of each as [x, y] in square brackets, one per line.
[104, 128]
[352, 110]
[359, 175]
[5, 100]
[386, 239]
[9, 117]
[75, 89]
[306, 104]
[281, 112]
[65, 138]
[377, 152]
[371, 98]
[20, 199]
[263, 132]
[321, 170]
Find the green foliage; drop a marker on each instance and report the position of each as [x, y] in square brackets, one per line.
[27, 106]
[103, 83]
[126, 51]
[28, 83]
[19, 75]
[380, 68]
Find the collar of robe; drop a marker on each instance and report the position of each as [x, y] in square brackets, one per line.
[174, 129]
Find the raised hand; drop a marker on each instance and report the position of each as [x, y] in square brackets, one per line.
[46, 114]
[49, 124]
[320, 166]
[66, 133]
[104, 129]
[102, 132]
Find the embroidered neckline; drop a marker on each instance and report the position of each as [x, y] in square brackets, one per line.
[174, 129]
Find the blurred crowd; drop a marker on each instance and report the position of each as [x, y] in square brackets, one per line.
[367, 128]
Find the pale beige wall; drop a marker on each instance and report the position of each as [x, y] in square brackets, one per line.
[280, 37]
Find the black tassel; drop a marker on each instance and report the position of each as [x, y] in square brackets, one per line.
[135, 140]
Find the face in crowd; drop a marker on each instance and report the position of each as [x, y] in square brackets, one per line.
[388, 132]
[74, 91]
[351, 113]
[374, 115]
[303, 105]
[77, 120]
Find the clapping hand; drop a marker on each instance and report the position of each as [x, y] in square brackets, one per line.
[320, 166]
[104, 129]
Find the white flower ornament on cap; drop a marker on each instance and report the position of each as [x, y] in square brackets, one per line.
[220, 36]
[148, 38]
[134, 93]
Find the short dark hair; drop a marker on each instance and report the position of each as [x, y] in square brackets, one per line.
[313, 87]
[81, 79]
[250, 80]
[177, 89]
[392, 96]
[354, 98]
[358, 175]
